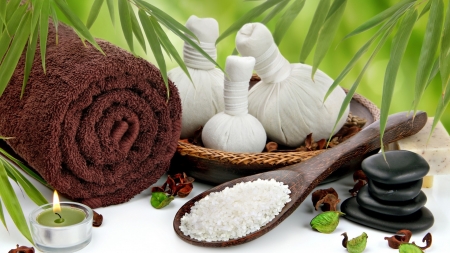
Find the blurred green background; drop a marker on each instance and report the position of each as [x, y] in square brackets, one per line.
[357, 11]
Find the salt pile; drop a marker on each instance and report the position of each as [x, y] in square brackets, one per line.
[235, 212]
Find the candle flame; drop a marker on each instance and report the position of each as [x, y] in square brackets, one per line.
[56, 205]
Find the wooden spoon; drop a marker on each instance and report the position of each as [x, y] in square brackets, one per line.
[303, 177]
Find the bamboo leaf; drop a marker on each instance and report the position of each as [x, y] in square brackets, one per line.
[137, 30]
[77, 24]
[334, 7]
[355, 85]
[398, 48]
[2, 215]
[327, 33]
[444, 56]
[44, 32]
[165, 40]
[160, 16]
[11, 6]
[35, 14]
[23, 167]
[3, 12]
[444, 101]
[166, 20]
[429, 48]
[93, 14]
[29, 58]
[286, 20]
[433, 73]
[277, 9]
[246, 18]
[152, 39]
[15, 51]
[12, 203]
[425, 9]
[110, 4]
[55, 20]
[314, 28]
[13, 23]
[379, 18]
[26, 185]
[385, 27]
[125, 21]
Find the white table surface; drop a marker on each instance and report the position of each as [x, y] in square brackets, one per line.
[136, 226]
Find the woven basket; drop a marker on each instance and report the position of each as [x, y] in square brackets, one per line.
[216, 167]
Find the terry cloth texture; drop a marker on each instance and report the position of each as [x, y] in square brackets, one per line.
[99, 129]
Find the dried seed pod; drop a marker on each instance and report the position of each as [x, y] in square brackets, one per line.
[326, 222]
[428, 239]
[360, 178]
[402, 236]
[355, 245]
[98, 219]
[328, 198]
[271, 146]
[22, 249]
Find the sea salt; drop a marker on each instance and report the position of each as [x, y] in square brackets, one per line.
[235, 212]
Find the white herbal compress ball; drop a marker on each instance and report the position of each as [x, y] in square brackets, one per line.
[287, 101]
[235, 130]
[202, 98]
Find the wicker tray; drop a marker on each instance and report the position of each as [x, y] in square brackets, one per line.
[216, 167]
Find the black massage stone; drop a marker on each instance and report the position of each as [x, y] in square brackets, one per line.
[398, 208]
[400, 192]
[393, 199]
[402, 166]
[416, 222]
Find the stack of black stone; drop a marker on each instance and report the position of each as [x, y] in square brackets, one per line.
[392, 200]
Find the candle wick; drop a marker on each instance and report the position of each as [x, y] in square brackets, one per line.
[58, 215]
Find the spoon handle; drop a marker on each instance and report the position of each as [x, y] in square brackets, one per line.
[398, 126]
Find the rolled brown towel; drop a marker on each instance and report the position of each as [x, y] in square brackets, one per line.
[97, 128]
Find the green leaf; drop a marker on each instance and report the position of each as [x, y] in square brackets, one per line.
[178, 29]
[164, 40]
[277, 9]
[444, 56]
[246, 18]
[3, 12]
[379, 18]
[35, 14]
[166, 20]
[27, 186]
[314, 28]
[152, 39]
[15, 51]
[27, 170]
[2, 215]
[286, 20]
[93, 14]
[77, 24]
[12, 203]
[425, 9]
[327, 33]
[11, 6]
[433, 73]
[29, 58]
[137, 30]
[398, 48]
[13, 23]
[55, 20]
[110, 4]
[355, 85]
[160, 200]
[125, 21]
[44, 32]
[386, 26]
[429, 48]
[444, 100]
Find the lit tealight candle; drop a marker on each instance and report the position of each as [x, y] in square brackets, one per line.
[60, 217]
[61, 226]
